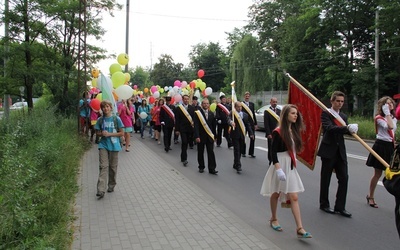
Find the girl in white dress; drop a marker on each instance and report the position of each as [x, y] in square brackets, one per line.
[282, 179]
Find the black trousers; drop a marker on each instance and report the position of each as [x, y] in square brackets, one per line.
[167, 136]
[224, 127]
[341, 170]
[238, 144]
[269, 151]
[185, 137]
[397, 214]
[212, 164]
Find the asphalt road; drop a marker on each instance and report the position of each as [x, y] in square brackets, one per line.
[369, 228]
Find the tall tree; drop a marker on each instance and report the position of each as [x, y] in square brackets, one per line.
[209, 57]
[166, 71]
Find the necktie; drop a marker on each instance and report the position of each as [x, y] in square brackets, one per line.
[206, 113]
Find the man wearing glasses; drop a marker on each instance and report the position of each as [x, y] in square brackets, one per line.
[333, 155]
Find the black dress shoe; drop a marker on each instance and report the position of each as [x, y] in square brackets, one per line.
[166, 149]
[243, 155]
[252, 156]
[239, 169]
[343, 212]
[201, 170]
[327, 210]
[213, 172]
[185, 163]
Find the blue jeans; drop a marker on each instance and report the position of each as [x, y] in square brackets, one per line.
[143, 127]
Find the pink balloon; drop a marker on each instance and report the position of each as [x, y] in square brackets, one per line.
[177, 98]
[177, 83]
[135, 86]
[153, 89]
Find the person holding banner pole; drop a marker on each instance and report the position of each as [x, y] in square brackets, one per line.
[333, 155]
[248, 108]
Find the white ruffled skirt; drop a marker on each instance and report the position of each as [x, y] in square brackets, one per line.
[272, 184]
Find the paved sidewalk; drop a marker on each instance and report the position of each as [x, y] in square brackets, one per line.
[154, 207]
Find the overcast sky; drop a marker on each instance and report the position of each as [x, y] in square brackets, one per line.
[170, 27]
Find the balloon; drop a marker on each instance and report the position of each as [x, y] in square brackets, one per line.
[123, 59]
[192, 84]
[118, 79]
[124, 92]
[177, 98]
[200, 84]
[127, 77]
[143, 115]
[95, 104]
[135, 86]
[161, 91]
[177, 83]
[115, 67]
[95, 73]
[115, 95]
[152, 99]
[183, 84]
[165, 88]
[146, 90]
[208, 91]
[156, 94]
[204, 93]
[99, 97]
[94, 82]
[153, 89]
[213, 107]
[172, 101]
[200, 73]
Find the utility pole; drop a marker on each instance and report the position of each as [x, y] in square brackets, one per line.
[6, 49]
[127, 33]
[376, 60]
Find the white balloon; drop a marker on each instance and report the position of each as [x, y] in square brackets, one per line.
[197, 93]
[143, 115]
[171, 92]
[166, 88]
[156, 94]
[124, 92]
[208, 91]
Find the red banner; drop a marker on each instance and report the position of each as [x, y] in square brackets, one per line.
[311, 113]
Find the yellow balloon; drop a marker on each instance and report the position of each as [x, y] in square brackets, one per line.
[127, 77]
[213, 107]
[94, 82]
[99, 97]
[95, 73]
[118, 79]
[115, 67]
[161, 90]
[123, 59]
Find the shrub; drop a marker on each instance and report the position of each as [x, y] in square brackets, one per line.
[40, 154]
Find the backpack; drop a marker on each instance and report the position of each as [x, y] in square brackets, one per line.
[392, 174]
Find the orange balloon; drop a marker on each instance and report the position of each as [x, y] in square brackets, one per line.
[146, 90]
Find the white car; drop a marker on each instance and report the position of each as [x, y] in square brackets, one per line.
[19, 105]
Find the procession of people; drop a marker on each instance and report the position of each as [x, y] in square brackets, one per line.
[198, 125]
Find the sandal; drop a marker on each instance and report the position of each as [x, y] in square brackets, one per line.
[371, 202]
[301, 233]
[276, 227]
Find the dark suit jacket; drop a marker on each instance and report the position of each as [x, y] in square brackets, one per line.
[237, 132]
[221, 115]
[164, 117]
[182, 124]
[270, 123]
[251, 106]
[332, 139]
[199, 131]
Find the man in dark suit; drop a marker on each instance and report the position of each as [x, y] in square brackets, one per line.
[184, 124]
[249, 110]
[204, 134]
[167, 121]
[333, 155]
[221, 115]
[240, 126]
[271, 122]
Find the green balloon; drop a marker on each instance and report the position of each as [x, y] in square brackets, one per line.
[115, 67]
[118, 79]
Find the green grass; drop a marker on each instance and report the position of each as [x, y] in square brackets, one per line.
[39, 160]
